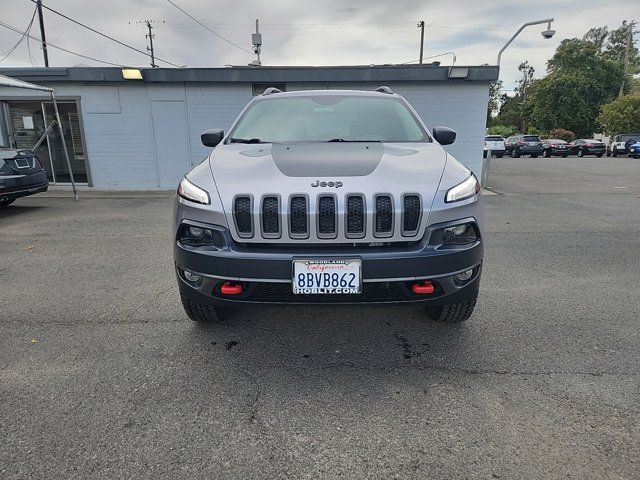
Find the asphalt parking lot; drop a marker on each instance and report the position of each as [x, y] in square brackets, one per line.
[103, 376]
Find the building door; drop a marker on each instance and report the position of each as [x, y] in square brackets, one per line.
[171, 141]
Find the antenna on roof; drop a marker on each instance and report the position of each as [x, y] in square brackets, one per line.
[256, 39]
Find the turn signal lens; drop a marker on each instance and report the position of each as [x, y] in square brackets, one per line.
[466, 189]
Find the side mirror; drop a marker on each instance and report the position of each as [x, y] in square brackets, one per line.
[211, 138]
[444, 135]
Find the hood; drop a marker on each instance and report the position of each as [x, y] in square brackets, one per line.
[337, 168]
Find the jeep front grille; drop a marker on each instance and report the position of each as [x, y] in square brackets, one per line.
[328, 217]
[411, 212]
[356, 214]
[327, 225]
[271, 217]
[242, 212]
[298, 217]
[384, 216]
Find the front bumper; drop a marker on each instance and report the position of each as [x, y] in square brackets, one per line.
[387, 272]
[23, 185]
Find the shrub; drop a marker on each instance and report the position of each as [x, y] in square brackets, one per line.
[502, 130]
[562, 134]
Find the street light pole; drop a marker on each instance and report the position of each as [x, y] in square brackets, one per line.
[548, 33]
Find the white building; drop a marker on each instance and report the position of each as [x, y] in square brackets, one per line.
[145, 133]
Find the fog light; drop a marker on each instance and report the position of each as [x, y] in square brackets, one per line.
[462, 234]
[192, 277]
[464, 276]
[196, 231]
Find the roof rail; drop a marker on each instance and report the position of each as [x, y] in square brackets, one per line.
[384, 89]
[271, 90]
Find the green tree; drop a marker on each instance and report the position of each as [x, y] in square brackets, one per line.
[616, 44]
[580, 80]
[622, 115]
[494, 99]
[597, 36]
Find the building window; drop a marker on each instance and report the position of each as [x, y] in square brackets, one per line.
[28, 122]
[259, 88]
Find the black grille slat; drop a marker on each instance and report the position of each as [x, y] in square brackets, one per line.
[384, 215]
[327, 216]
[298, 216]
[270, 216]
[355, 216]
[242, 214]
[411, 214]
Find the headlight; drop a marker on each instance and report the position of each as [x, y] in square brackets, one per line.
[189, 191]
[464, 190]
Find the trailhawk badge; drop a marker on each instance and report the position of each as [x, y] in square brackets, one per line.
[318, 183]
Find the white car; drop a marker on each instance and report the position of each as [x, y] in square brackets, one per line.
[495, 143]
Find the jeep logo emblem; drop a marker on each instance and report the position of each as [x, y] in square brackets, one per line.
[318, 183]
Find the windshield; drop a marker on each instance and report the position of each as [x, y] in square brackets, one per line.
[326, 118]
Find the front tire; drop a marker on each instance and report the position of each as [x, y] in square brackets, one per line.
[580, 153]
[534, 156]
[546, 154]
[454, 313]
[500, 155]
[6, 203]
[204, 313]
[514, 154]
[599, 155]
[614, 153]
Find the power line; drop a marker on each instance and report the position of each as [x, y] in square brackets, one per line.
[105, 35]
[24, 35]
[10, 27]
[209, 29]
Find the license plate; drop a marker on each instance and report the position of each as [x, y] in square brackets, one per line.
[327, 276]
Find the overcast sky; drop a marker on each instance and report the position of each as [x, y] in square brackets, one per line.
[332, 32]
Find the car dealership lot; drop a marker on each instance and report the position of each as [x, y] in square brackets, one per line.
[102, 375]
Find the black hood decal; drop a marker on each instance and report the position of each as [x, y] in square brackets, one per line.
[327, 159]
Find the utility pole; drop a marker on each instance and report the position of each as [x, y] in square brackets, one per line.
[626, 55]
[256, 39]
[150, 47]
[421, 25]
[42, 36]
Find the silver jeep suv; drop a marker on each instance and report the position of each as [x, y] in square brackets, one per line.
[328, 197]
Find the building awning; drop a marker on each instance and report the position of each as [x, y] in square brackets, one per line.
[13, 82]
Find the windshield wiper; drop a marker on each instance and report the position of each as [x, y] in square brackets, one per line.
[353, 141]
[245, 140]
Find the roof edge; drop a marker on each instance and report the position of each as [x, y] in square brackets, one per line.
[353, 73]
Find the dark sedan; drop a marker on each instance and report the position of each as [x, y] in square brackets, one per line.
[585, 146]
[21, 174]
[554, 147]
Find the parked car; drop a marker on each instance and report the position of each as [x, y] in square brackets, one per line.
[495, 143]
[518, 145]
[328, 197]
[554, 147]
[633, 150]
[619, 144]
[586, 146]
[21, 174]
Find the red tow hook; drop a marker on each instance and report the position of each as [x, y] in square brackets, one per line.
[230, 288]
[423, 288]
